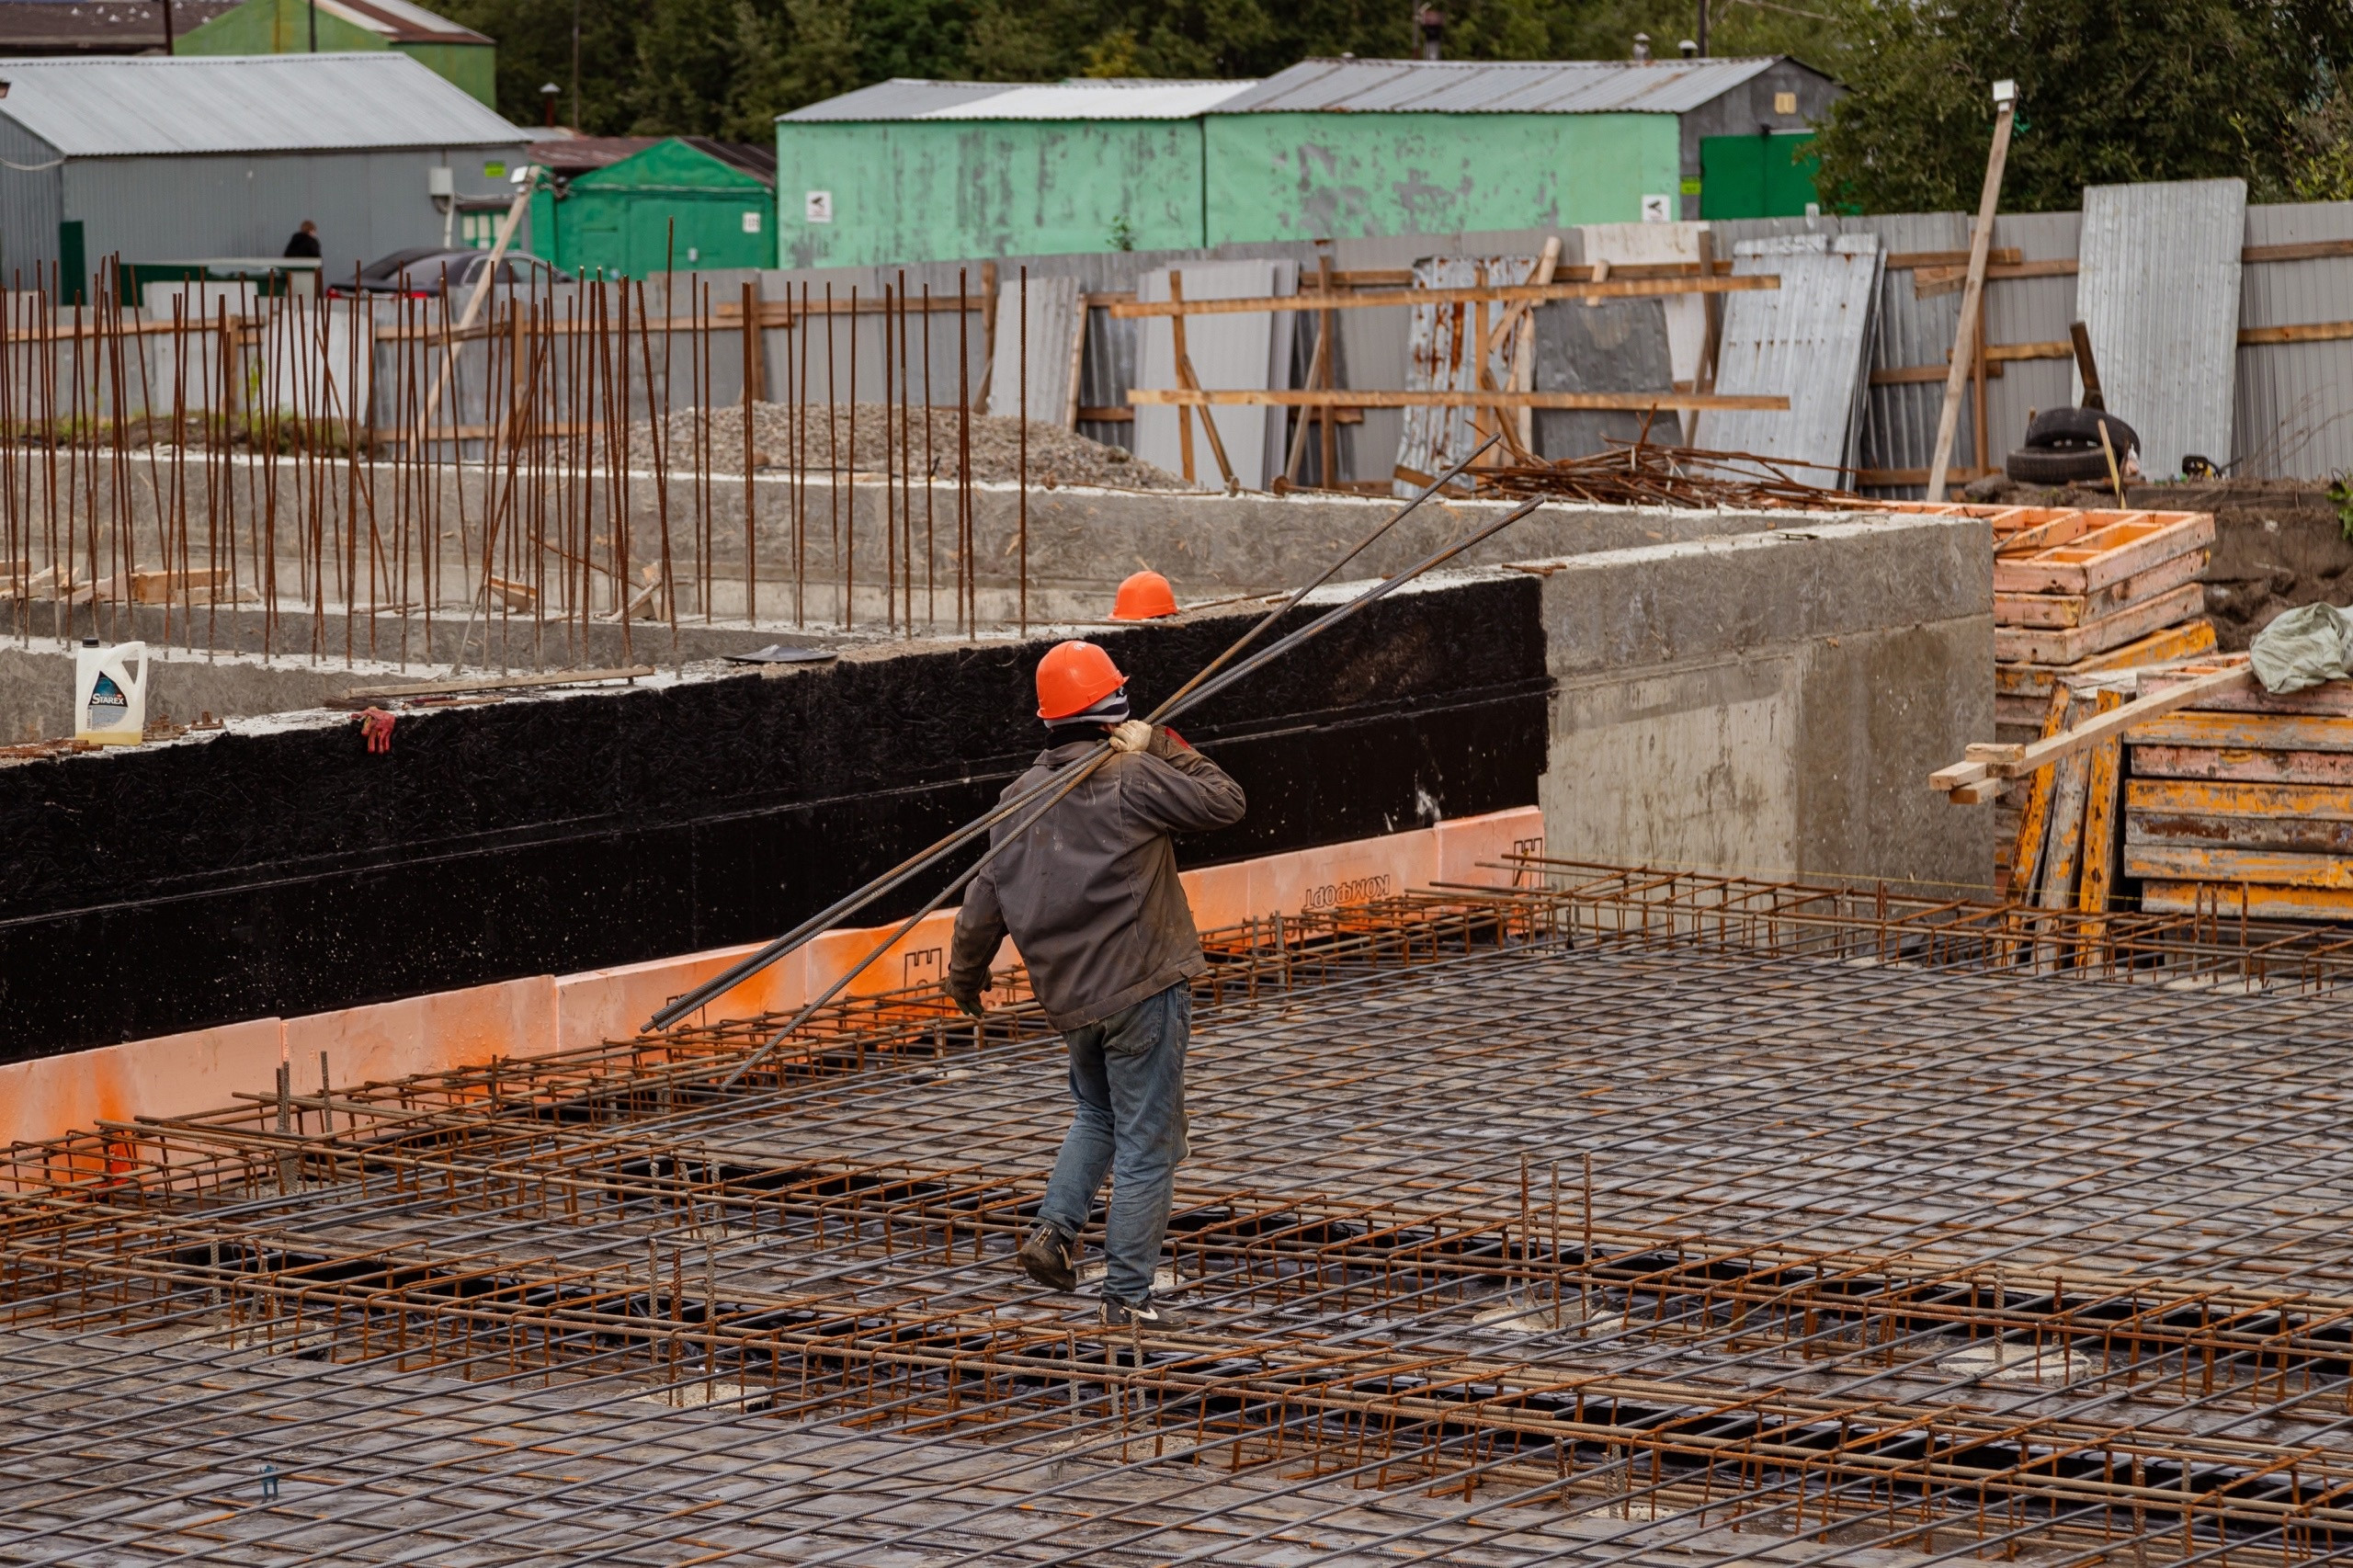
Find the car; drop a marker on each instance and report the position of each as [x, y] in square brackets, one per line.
[421, 272]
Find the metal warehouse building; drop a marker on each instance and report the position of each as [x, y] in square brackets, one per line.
[1363, 147]
[167, 159]
[932, 171]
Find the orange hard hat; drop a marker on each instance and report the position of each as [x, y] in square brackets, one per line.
[1073, 677]
[1144, 597]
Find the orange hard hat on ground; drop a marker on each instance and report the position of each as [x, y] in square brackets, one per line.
[1073, 677]
[1144, 597]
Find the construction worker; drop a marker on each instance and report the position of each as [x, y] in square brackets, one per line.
[1145, 595]
[1089, 894]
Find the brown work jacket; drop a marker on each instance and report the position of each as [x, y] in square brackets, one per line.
[1089, 891]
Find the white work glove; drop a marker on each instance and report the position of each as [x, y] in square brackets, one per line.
[1131, 734]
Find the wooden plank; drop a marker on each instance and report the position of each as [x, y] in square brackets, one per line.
[1908, 260]
[1122, 414]
[2334, 696]
[2256, 903]
[2034, 817]
[1392, 299]
[2082, 609]
[2125, 548]
[1929, 281]
[2012, 762]
[2308, 332]
[2265, 867]
[2210, 799]
[2069, 782]
[2065, 647]
[1360, 397]
[2256, 732]
[2186, 641]
[2099, 815]
[1916, 375]
[2303, 250]
[2049, 348]
[2065, 527]
[2276, 832]
[498, 683]
[2241, 765]
[1890, 476]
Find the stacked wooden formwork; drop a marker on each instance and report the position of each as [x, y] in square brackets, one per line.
[2079, 593]
[2241, 803]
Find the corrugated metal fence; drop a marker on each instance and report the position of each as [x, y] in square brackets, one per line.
[2292, 416]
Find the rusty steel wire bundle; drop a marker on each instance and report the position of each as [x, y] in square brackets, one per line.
[1645, 473]
[1614, 1217]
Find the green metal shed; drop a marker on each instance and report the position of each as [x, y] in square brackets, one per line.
[909, 171]
[312, 27]
[1353, 148]
[628, 208]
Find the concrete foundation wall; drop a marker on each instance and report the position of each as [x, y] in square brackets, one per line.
[1770, 704]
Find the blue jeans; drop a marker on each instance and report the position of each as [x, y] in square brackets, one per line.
[1127, 1076]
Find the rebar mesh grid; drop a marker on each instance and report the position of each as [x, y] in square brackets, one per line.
[1626, 1217]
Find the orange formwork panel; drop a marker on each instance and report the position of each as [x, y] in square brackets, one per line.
[179, 1075]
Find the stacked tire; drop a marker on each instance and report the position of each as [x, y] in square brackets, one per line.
[2062, 447]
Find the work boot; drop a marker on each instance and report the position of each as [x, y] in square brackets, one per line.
[1045, 1257]
[1146, 1314]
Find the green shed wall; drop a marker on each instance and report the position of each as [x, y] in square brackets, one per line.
[473, 66]
[274, 26]
[283, 27]
[629, 233]
[940, 190]
[667, 202]
[1305, 176]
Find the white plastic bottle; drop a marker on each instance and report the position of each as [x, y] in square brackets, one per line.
[109, 698]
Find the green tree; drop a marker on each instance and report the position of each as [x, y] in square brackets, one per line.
[688, 59]
[820, 58]
[2110, 91]
[2322, 169]
[535, 48]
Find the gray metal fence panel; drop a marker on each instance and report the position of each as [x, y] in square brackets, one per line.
[2029, 310]
[1809, 341]
[2295, 400]
[1909, 335]
[2158, 286]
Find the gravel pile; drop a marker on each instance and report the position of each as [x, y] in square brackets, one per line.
[1057, 456]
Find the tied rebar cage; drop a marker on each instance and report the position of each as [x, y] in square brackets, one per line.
[1620, 1215]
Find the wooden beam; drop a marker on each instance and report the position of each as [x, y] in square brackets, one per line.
[2307, 250]
[1973, 299]
[1908, 260]
[498, 683]
[2015, 761]
[1360, 397]
[2026, 854]
[1882, 478]
[1615, 287]
[2099, 817]
[1930, 281]
[2311, 332]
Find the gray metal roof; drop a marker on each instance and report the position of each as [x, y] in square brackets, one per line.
[901, 97]
[1498, 87]
[1129, 99]
[112, 107]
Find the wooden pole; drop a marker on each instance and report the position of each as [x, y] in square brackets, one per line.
[1973, 292]
[474, 301]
